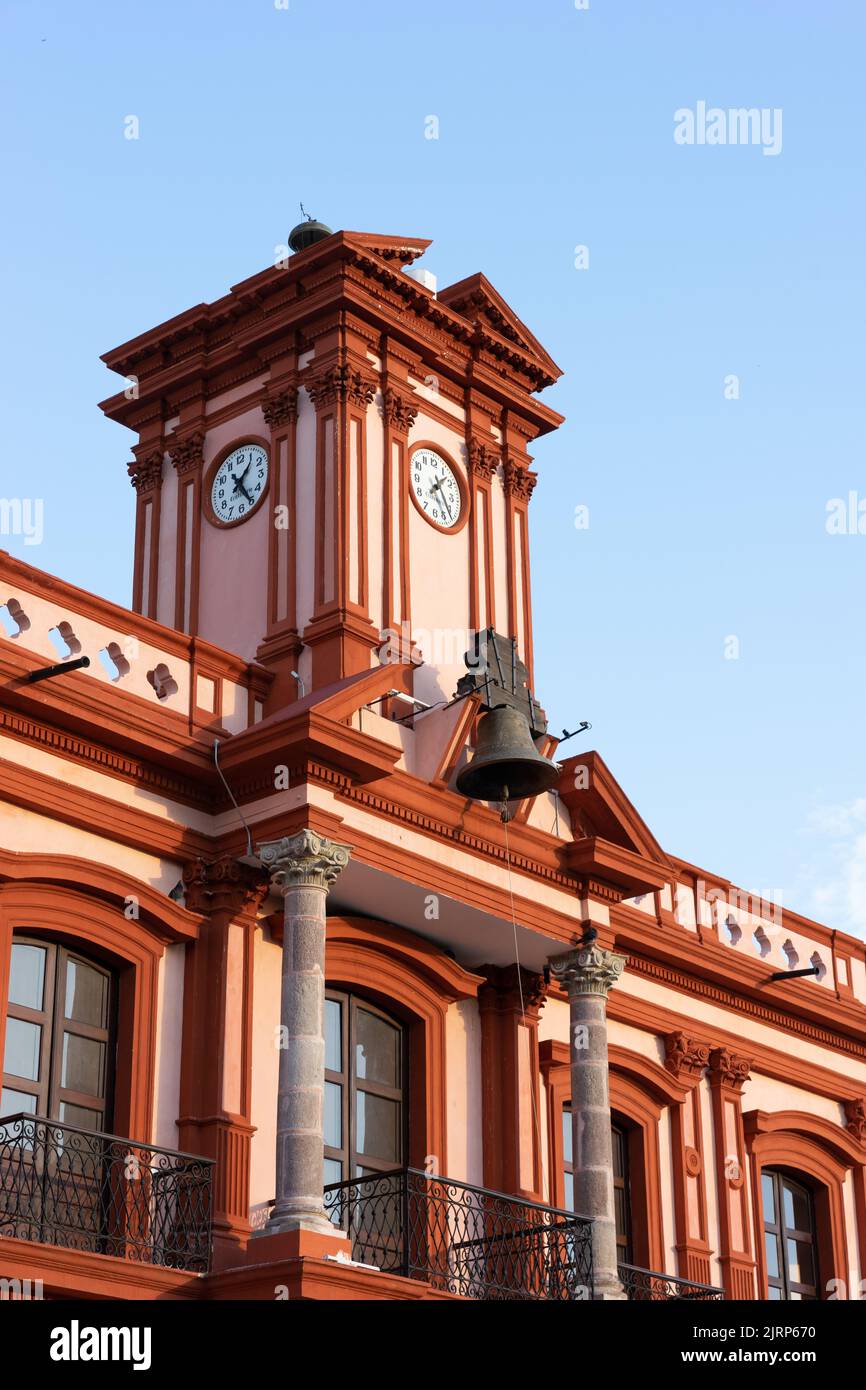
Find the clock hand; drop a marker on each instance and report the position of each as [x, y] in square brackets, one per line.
[438, 485]
[239, 487]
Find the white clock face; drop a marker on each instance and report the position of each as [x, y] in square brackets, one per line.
[435, 488]
[239, 483]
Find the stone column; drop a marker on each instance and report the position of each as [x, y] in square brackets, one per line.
[588, 974]
[302, 869]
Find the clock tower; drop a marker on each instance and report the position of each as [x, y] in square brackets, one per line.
[332, 460]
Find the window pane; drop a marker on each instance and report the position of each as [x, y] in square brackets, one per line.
[79, 1116]
[798, 1213]
[567, 1137]
[333, 1035]
[333, 1115]
[569, 1192]
[620, 1213]
[23, 1041]
[27, 976]
[800, 1262]
[333, 1171]
[769, 1197]
[378, 1127]
[617, 1144]
[13, 1101]
[771, 1246]
[377, 1053]
[83, 1065]
[86, 994]
[774, 1293]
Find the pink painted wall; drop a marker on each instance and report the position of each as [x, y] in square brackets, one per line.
[233, 584]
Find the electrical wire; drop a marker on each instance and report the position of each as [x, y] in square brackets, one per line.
[532, 1089]
[216, 758]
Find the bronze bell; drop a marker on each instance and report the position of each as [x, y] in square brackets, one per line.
[506, 764]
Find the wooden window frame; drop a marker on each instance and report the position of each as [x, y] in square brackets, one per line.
[782, 1234]
[48, 1089]
[351, 1160]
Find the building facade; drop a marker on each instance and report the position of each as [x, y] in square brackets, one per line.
[283, 1014]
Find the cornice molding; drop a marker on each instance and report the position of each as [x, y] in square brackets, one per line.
[108, 760]
[728, 998]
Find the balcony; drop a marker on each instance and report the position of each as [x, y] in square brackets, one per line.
[647, 1286]
[99, 1193]
[463, 1240]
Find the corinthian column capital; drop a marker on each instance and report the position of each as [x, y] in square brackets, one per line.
[588, 970]
[305, 860]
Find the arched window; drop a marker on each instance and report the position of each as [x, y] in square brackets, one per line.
[365, 1089]
[621, 1190]
[789, 1237]
[58, 1059]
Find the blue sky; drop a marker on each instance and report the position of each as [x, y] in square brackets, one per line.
[706, 515]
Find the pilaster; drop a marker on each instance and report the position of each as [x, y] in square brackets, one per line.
[729, 1071]
[687, 1060]
[216, 1058]
[510, 1004]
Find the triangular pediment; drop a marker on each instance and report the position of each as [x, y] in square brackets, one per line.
[476, 299]
[400, 249]
[600, 808]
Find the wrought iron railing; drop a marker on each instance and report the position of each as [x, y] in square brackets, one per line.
[462, 1239]
[86, 1191]
[645, 1285]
